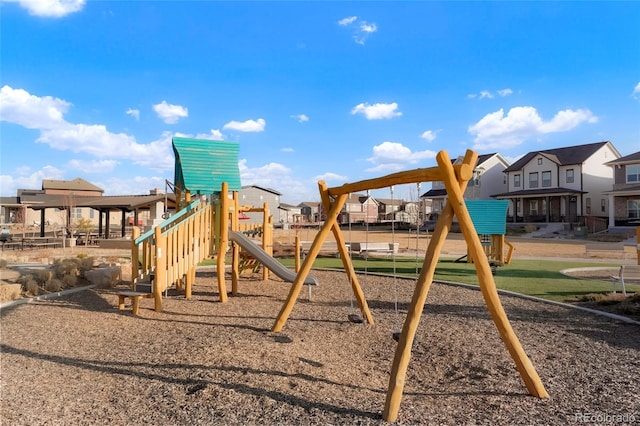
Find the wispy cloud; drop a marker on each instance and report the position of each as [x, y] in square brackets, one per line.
[246, 126]
[50, 8]
[301, 118]
[347, 21]
[377, 111]
[361, 29]
[330, 177]
[636, 91]
[93, 166]
[135, 113]
[214, 134]
[497, 130]
[169, 113]
[487, 94]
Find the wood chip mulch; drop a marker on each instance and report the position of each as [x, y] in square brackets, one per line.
[78, 360]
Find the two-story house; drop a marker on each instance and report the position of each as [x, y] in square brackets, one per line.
[257, 196]
[310, 211]
[624, 198]
[358, 208]
[388, 209]
[560, 185]
[488, 179]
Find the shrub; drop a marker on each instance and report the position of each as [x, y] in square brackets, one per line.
[29, 284]
[69, 281]
[67, 267]
[53, 285]
[42, 276]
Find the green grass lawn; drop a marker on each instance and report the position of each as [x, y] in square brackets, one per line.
[540, 278]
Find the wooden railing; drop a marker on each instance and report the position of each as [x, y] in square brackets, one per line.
[171, 251]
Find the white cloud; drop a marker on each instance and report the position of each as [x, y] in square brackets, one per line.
[377, 111]
[135, 113]
[246, 126]
[429, 135]
[46, 114]
[287, 150]
[93, 166]
[347, 21]
[636, 91]
[24, 178]
[300, 117]
[330, 177]
[50, 8]
[20, 107]
[215, 134]
[495, 130]
[505, 92]
[395, 156]
[169, 113]
[366, 27]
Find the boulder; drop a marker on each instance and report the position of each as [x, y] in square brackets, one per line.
[106, 277]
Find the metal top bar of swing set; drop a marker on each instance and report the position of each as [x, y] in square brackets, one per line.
[429, 174]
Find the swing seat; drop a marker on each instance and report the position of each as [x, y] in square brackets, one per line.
[355, 318]
[396, 336]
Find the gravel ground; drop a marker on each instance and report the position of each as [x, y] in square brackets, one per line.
[78, 360]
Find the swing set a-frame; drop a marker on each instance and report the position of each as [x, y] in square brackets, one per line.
[455, 178]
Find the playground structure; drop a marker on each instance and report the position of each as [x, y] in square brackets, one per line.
[489, 220]
[203, 227]
[455, 179]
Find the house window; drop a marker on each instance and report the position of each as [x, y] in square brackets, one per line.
[603, 205]
[633, 173]
[516, 181]
[533, 207]
[91, 214]
[588, 201]
[76, 213]
[533, 180]
[569, 175]
[546, 179]
[539, 161]
[633, 207]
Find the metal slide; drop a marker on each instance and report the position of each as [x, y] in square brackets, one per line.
[269, 262]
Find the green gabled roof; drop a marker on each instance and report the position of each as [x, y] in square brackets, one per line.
[488, 216]
[203, 164]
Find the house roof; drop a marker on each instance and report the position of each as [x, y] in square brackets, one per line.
[390, 202]
[77, 184]
[627, 159]
[262, 188]
[309, 204]
[625, 191]
[434, 193]
[538, 193]
[39, 201]
[202, 165]
[577, 154]
[9, 201]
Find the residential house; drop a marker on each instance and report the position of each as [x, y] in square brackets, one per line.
[310, 211]
[388, 209]
[624, 197]
[290, 215]
[257, 196]
[561, 185]
[358, 208]
[488, 179]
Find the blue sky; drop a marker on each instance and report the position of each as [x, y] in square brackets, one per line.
[338, 91]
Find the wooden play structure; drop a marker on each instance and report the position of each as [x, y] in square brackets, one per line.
[455, 179]
[489, 220]
[207, 181]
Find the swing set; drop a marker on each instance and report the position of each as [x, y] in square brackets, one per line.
[455, 178]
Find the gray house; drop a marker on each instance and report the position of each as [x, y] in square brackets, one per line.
[256, 196]
[624, 198]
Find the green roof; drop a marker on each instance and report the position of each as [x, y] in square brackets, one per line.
[203, 164]
[488, 216]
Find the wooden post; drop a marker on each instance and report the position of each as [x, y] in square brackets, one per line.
[487, 284]
[235, 260]
[135, 256]
[423, 284]
[297, 253]
[223, 240]
[265, 237]
[332, 216]
[161, 269]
